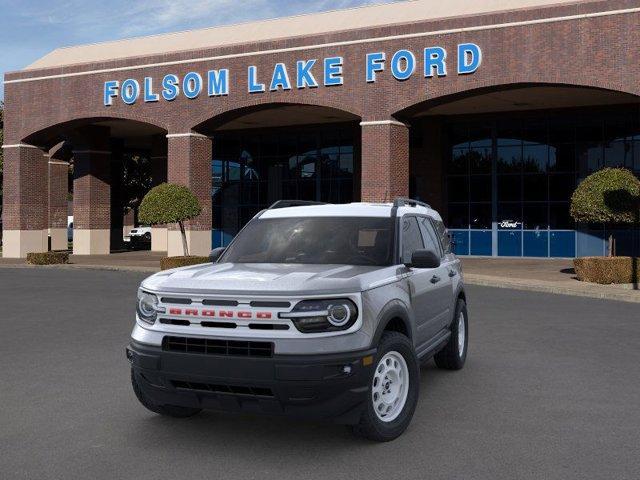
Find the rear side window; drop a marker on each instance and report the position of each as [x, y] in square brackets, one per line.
[430, 238]
[443, 234]
[411, 238]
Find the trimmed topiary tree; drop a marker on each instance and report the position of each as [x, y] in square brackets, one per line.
[611, 195]
[170, 203]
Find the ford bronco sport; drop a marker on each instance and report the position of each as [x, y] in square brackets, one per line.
[314, 310]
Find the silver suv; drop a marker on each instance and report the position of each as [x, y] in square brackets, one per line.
[314, 310]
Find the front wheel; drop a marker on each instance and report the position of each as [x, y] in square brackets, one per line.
[393, 390]
[454, 354]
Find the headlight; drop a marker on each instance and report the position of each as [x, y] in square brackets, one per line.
[315, 316]
[147, 307]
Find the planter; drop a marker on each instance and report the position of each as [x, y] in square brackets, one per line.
[168, 263]
[607, 270]
[48, 258]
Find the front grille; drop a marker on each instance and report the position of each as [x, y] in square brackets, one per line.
[230, 389]
[208, 346]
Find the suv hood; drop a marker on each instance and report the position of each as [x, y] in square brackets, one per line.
[269, 279]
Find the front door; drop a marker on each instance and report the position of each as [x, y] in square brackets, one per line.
[429, 287]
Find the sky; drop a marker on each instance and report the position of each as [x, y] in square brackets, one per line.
[30, 29]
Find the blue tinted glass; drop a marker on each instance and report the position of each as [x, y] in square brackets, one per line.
[535, 244]
[460, 241]
[481, 241]
[563, 244]
[510, 243]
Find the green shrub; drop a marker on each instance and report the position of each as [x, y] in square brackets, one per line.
[610, 195]
[169, 203]
[48, 258]
[607, 270]
[175, 262]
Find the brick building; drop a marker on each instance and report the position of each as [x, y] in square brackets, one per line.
[491, 111]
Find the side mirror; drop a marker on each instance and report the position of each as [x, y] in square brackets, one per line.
[216, 253]
[424, 259]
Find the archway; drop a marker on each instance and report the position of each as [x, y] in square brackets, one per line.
[501, 164]
[266, 153]
[113, 163]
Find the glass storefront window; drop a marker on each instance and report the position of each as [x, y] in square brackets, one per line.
[509, 188]
[480, 159]
[509, 158]
[480, 188]
[535, 216]
[535, 160]
[618, 154]
[535, 188]
[254, 168]
[480, 216]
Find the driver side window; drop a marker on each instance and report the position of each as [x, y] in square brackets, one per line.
[411, 238]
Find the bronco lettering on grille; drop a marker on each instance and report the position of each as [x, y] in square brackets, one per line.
[245, 315]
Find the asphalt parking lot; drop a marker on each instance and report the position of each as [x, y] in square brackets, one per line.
[551, 390]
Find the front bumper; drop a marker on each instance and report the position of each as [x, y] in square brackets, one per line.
[307, 386]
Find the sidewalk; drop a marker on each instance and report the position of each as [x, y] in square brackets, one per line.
[137, 261]
[538, 275]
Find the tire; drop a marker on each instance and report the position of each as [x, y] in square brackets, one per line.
[451, 357]
[397, 348]
[165, 410]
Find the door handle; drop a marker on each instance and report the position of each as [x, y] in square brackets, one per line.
[435, 279]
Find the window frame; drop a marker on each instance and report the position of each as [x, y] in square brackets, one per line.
[435, 237]
[402, 234]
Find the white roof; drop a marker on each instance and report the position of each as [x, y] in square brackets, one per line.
[345, 210]
[273, 29]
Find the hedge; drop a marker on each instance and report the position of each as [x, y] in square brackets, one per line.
[168, 263]
[607, 270]
[48, 258]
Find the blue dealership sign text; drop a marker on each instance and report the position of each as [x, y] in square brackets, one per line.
[307, 73]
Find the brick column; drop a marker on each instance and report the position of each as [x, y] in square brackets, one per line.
[58, 190]
[24, 201]
[159, 175]
[189, 164]
[427, 163]
[92, 193]
[385, 160]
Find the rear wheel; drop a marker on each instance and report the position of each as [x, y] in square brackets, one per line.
[393, 390]
[454, 354]
[166, 410]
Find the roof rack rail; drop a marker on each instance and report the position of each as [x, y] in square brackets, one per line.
[408, 202]
[293, 203]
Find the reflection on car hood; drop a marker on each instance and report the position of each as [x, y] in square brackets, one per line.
[269, 279]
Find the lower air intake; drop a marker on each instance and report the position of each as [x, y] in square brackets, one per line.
[207, 346]
[230, 389]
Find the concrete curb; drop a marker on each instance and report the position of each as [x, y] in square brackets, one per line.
[73, 266]
[603, 292]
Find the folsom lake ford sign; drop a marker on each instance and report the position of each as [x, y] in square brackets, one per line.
[310, 73]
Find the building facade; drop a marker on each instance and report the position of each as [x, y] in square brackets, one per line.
[492, 113]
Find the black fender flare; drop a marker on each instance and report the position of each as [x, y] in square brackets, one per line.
[393, 309]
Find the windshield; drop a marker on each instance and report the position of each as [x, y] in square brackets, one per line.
[314, 240]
